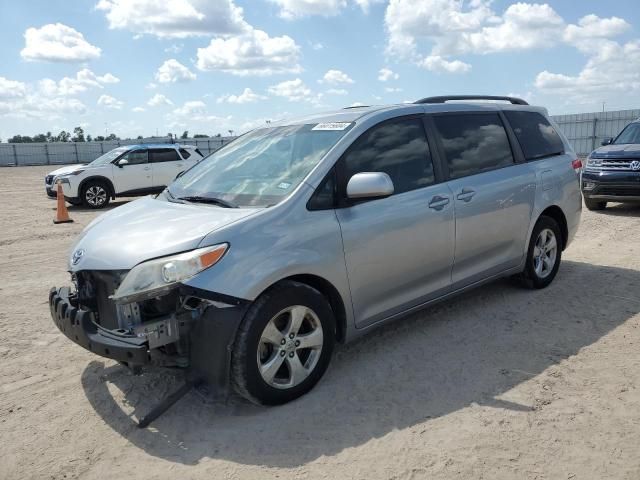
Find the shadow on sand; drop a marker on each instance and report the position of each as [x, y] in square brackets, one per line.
[467, 350]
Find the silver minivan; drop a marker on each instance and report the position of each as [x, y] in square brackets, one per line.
[252, 264]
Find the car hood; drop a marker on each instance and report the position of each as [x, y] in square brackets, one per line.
[631, 150]
[68, 169]
[145, 229]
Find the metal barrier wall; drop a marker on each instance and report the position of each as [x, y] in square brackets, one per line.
[18, 154]
[586, 131]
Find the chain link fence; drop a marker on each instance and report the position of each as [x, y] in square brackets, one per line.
[59, 153]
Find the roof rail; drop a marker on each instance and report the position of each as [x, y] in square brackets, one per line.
[446, 98]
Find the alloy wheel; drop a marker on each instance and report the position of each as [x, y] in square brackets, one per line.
[545, 252]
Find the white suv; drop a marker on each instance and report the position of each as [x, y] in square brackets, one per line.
[125, 171]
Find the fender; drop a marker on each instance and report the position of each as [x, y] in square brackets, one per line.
[107, 181]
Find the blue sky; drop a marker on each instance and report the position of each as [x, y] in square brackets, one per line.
[134, 67]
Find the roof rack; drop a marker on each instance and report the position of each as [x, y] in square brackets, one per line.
[356, 106]
[446, 98]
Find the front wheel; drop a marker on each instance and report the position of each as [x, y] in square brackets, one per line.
[544, 254]
[284, 344]
[95, 194]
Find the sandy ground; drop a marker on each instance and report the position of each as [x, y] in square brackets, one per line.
[501, 383]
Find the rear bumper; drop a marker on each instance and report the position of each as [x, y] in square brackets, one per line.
[611, 186]
[78, 326]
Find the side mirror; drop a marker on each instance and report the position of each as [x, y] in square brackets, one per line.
[607, 141]
[369, 185]
[123, 162]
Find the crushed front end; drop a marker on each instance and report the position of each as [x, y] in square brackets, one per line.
[176, 327]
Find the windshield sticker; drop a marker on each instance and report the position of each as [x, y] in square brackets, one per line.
[284, 185]
[331, 126]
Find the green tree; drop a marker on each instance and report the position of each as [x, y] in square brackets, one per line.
[63, 136]
[78, 135]
[49, 137]
[39, 138]
[185, 134]
[200, 135]
[89, 138]
[112, 136]
[20, 139]
[99, 138]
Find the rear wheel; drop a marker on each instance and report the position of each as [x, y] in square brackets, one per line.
[544, 254]
[95, 194]
[284, 344]
[594, 204]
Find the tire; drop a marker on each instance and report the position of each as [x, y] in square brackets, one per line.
[594, 204]
[74, 201]
[533, 276]
[95, 194]
[264, 354]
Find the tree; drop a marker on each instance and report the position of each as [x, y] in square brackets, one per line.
[78, 135]
[89, 138]
[112, 136]
[49, 137]
[185, 134]
[139, 137]
[200, 135]
[39, 138]
[63, 137]
[99, 138]
[20, 139]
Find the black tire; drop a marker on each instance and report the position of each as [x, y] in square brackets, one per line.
[594, 204]
[530, 277]
[96, 194]
[245, 374]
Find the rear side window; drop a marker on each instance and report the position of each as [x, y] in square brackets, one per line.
[398, 148]
[185, 153]
[537, 137]
[473, 143]
[163, 155]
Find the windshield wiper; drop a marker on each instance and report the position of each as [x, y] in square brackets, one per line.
[211, 200]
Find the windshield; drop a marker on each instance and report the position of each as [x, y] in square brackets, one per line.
[631, 134]
[261, 167]
[109, 156]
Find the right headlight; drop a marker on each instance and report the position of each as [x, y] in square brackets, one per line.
[155, 277]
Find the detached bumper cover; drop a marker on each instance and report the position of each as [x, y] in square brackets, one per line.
[78, 325]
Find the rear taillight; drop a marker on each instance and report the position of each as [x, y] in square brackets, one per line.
[576, 165]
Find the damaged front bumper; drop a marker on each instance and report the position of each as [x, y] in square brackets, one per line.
[198, 338]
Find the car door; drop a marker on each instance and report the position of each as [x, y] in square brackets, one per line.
[132, 172]
[399, 249]
[166, 165]
[493, 195]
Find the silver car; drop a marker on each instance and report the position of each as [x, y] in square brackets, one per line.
[254, 263]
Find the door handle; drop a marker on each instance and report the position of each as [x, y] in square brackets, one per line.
[147, 168]
[438, 202]
[466, 194]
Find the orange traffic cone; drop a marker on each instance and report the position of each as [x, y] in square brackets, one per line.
[62, 215]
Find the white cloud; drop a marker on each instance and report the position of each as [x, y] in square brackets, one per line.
[174, 48]
[11, 88]
[172, 71]
[151, 86]
[292, 90]
[337, 91]
[138, 109]
[196, 111]
[336, 77]
[40, 106]
[592, 26]
[290, 9]
[455, 28]
[159, 99]
[83, 80]
[435, 63]
[174, 18]
[57, 42]
[385, 74]
[254, 53]
[108, 101]
[392, 89]
[316, 45]
[192, 107]
[247, 96]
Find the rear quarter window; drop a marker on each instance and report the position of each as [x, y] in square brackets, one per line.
[536, 136]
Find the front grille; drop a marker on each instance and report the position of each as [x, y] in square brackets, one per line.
[619, 164]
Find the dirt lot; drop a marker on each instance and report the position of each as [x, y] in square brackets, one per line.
[501, 383]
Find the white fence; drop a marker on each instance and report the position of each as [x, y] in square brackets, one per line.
[584, 130]
[18, 154]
